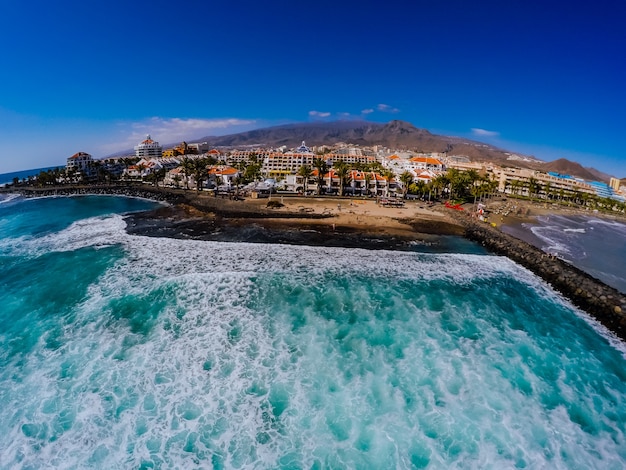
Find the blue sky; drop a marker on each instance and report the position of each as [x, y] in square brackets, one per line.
[546, 80]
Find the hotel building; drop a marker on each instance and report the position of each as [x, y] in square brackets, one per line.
[148, 149]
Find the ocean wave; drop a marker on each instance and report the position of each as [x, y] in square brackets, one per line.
[188, 353]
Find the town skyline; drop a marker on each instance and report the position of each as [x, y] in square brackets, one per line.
[535, 79]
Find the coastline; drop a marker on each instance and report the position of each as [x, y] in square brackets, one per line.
[357, 223]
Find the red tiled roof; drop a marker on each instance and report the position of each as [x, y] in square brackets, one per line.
[427, 160]
[79, 154]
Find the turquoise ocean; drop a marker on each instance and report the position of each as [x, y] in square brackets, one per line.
[122, 351]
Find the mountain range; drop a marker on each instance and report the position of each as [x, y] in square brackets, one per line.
[395, 134]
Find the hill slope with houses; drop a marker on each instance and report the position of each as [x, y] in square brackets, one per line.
[398, 135]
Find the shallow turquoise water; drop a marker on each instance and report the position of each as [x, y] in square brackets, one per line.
[119, 351]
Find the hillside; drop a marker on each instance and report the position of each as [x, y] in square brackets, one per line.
[396, 135]
[568, 167]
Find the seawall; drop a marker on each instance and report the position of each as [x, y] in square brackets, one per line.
[604, 303]
[220, 206]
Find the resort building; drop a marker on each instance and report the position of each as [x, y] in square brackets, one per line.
[519, 181]
[148, 149]
[245, 156]
[215, 154]
[80, 161]
[356, 183]
[282, 164]
[420, 163]
[401, 162]
[223, 175]
[617, 184]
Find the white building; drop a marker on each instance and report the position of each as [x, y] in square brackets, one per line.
[148, 149]
[80, 161]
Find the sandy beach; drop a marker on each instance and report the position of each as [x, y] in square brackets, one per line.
[303, 220]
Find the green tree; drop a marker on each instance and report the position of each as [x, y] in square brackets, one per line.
[305, 172]
[252, 172]
[342, 171]
[322, 168]
[200, 172]
[406, 178]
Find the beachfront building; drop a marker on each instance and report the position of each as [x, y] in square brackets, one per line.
[176, 178]
[350, 159]
[237, 157]
[224, 175]
[283, 164]
[215, 155]
[357, 183]
[547, 185]
[422, 163]
[400, 162]
[148, 148]
[147, 166]
[279, 165]
[80, 162]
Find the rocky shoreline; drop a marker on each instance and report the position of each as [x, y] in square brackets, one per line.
[603, 302]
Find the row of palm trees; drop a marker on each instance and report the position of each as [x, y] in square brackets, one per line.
[343, 172]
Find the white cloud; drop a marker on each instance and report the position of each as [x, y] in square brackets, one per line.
[484, 133]
[385, 108]
[171, 130]
[319, 114]
[367, 111]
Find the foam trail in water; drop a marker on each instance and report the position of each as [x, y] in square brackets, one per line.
[189, 353]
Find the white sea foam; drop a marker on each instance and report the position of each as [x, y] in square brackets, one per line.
[5, 198]
[241, 364]
[551, 236]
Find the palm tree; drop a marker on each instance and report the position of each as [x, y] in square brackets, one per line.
[342, 171]
[533, 187]
[420, 187]
[547, 189]
[389, 175]
[406, 178]
[159, 175]
[199, 171]
[322, 168]
[441, 183]
[305, 172]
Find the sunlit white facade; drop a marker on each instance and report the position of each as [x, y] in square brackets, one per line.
[148, 149]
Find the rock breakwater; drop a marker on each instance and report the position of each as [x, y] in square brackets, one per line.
[603, 302]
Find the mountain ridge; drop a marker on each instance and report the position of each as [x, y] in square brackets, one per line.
[395, 134]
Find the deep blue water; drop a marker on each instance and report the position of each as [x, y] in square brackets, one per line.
[121, 351]
[8, 177]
